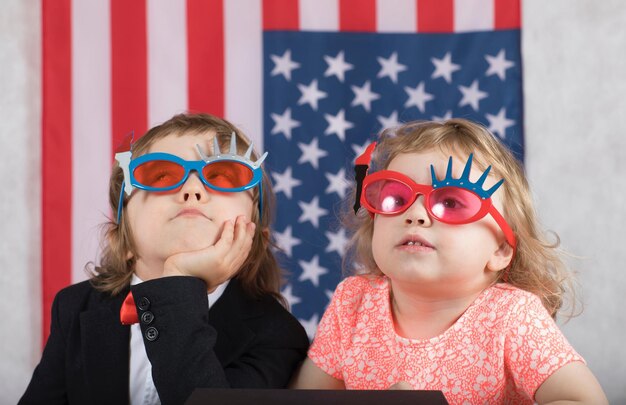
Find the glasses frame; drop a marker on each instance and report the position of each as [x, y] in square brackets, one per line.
[486, 207]
[189, 166]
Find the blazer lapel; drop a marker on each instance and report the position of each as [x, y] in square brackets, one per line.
[228, 316]
[105, 345]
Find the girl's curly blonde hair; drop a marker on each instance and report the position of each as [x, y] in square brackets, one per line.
[537, 267]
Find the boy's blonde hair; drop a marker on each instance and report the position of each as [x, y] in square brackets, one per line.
[537, 266]
[260, 273]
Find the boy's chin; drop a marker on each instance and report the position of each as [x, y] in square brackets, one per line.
[195, 239]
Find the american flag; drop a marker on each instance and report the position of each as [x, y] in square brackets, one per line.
[311, 81]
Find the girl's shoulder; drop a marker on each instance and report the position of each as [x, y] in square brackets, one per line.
[508, 299]
[363, 284]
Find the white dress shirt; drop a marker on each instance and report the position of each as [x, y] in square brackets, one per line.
[142, 389]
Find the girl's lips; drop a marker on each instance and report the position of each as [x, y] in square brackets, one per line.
[415, 242]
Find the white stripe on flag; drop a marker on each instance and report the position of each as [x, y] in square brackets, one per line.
[473, 15]
[167, 59]
[319, 15]
[91, 128]
[396, 16]
[243, 60]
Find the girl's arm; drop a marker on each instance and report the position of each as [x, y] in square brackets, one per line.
[573, 383]
[312, 377]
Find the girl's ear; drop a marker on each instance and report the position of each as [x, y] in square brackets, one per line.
[501, 258]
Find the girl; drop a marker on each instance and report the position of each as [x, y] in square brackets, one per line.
[191, 219]
[450, 295]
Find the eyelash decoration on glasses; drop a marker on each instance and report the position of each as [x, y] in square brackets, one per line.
[464, 181]
[232, 153]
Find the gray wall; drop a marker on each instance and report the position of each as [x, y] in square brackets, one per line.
[575, 87]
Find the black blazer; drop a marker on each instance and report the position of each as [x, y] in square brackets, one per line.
[241, 342]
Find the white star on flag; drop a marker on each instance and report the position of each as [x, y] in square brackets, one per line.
[285, 241]
[498, 65]
[283, 123]
[312, 211]
[390, 67]
[312, 270]
[310, 94]
[417, 97]
[311, 153]
[285, 182]
[310, 325]
[283, 65]
[337, 66]
[287, 293]
[359, 149]
[338, 124]
[472, 95]
[499, 123]
[364, 96]
[389, 122]
[329, 294]
[446, 116]
[337, 183]
[337, 241]
[444, 67]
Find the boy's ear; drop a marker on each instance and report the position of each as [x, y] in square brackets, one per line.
[266, 233]
[501, 258]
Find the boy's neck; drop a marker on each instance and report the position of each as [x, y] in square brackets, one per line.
[148, 271]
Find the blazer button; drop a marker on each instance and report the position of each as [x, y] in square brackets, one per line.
[152, 334]
[143, 303]
[147, 317]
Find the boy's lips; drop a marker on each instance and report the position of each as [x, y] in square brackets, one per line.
[190, 212]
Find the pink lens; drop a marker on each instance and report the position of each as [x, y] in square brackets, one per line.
[454, 205]
[388, 196]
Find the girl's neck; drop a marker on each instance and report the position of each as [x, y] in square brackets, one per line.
[419, 317]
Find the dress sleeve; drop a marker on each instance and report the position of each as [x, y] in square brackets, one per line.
[326, 350]
[535, 347]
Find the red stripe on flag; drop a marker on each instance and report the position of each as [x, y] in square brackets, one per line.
[281, 15]
[357, 15]
[205, 54]
[56, 152]
[129, 72]
[507, 14]
[435, 16]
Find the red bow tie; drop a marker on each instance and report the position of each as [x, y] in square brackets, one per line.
[128, 312]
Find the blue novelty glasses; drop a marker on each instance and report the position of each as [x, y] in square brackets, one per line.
[160, 172]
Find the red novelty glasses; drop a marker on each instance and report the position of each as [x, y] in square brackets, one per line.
[451, 201]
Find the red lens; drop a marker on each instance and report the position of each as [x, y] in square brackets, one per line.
[227, 174]
[388, 196]
[159, 173]
[454, 205]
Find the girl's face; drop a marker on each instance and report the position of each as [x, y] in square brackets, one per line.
[438, 258]
[188, 218]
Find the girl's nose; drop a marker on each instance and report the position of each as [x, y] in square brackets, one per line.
[417, 213]
[193, 189]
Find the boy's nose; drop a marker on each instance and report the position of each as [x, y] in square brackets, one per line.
[193, 189]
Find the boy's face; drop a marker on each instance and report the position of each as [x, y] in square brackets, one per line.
[185, 219]
[451, 260]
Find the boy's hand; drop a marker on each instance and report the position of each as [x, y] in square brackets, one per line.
[218, 263]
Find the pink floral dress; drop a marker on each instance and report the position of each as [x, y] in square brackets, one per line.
[499, 351]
